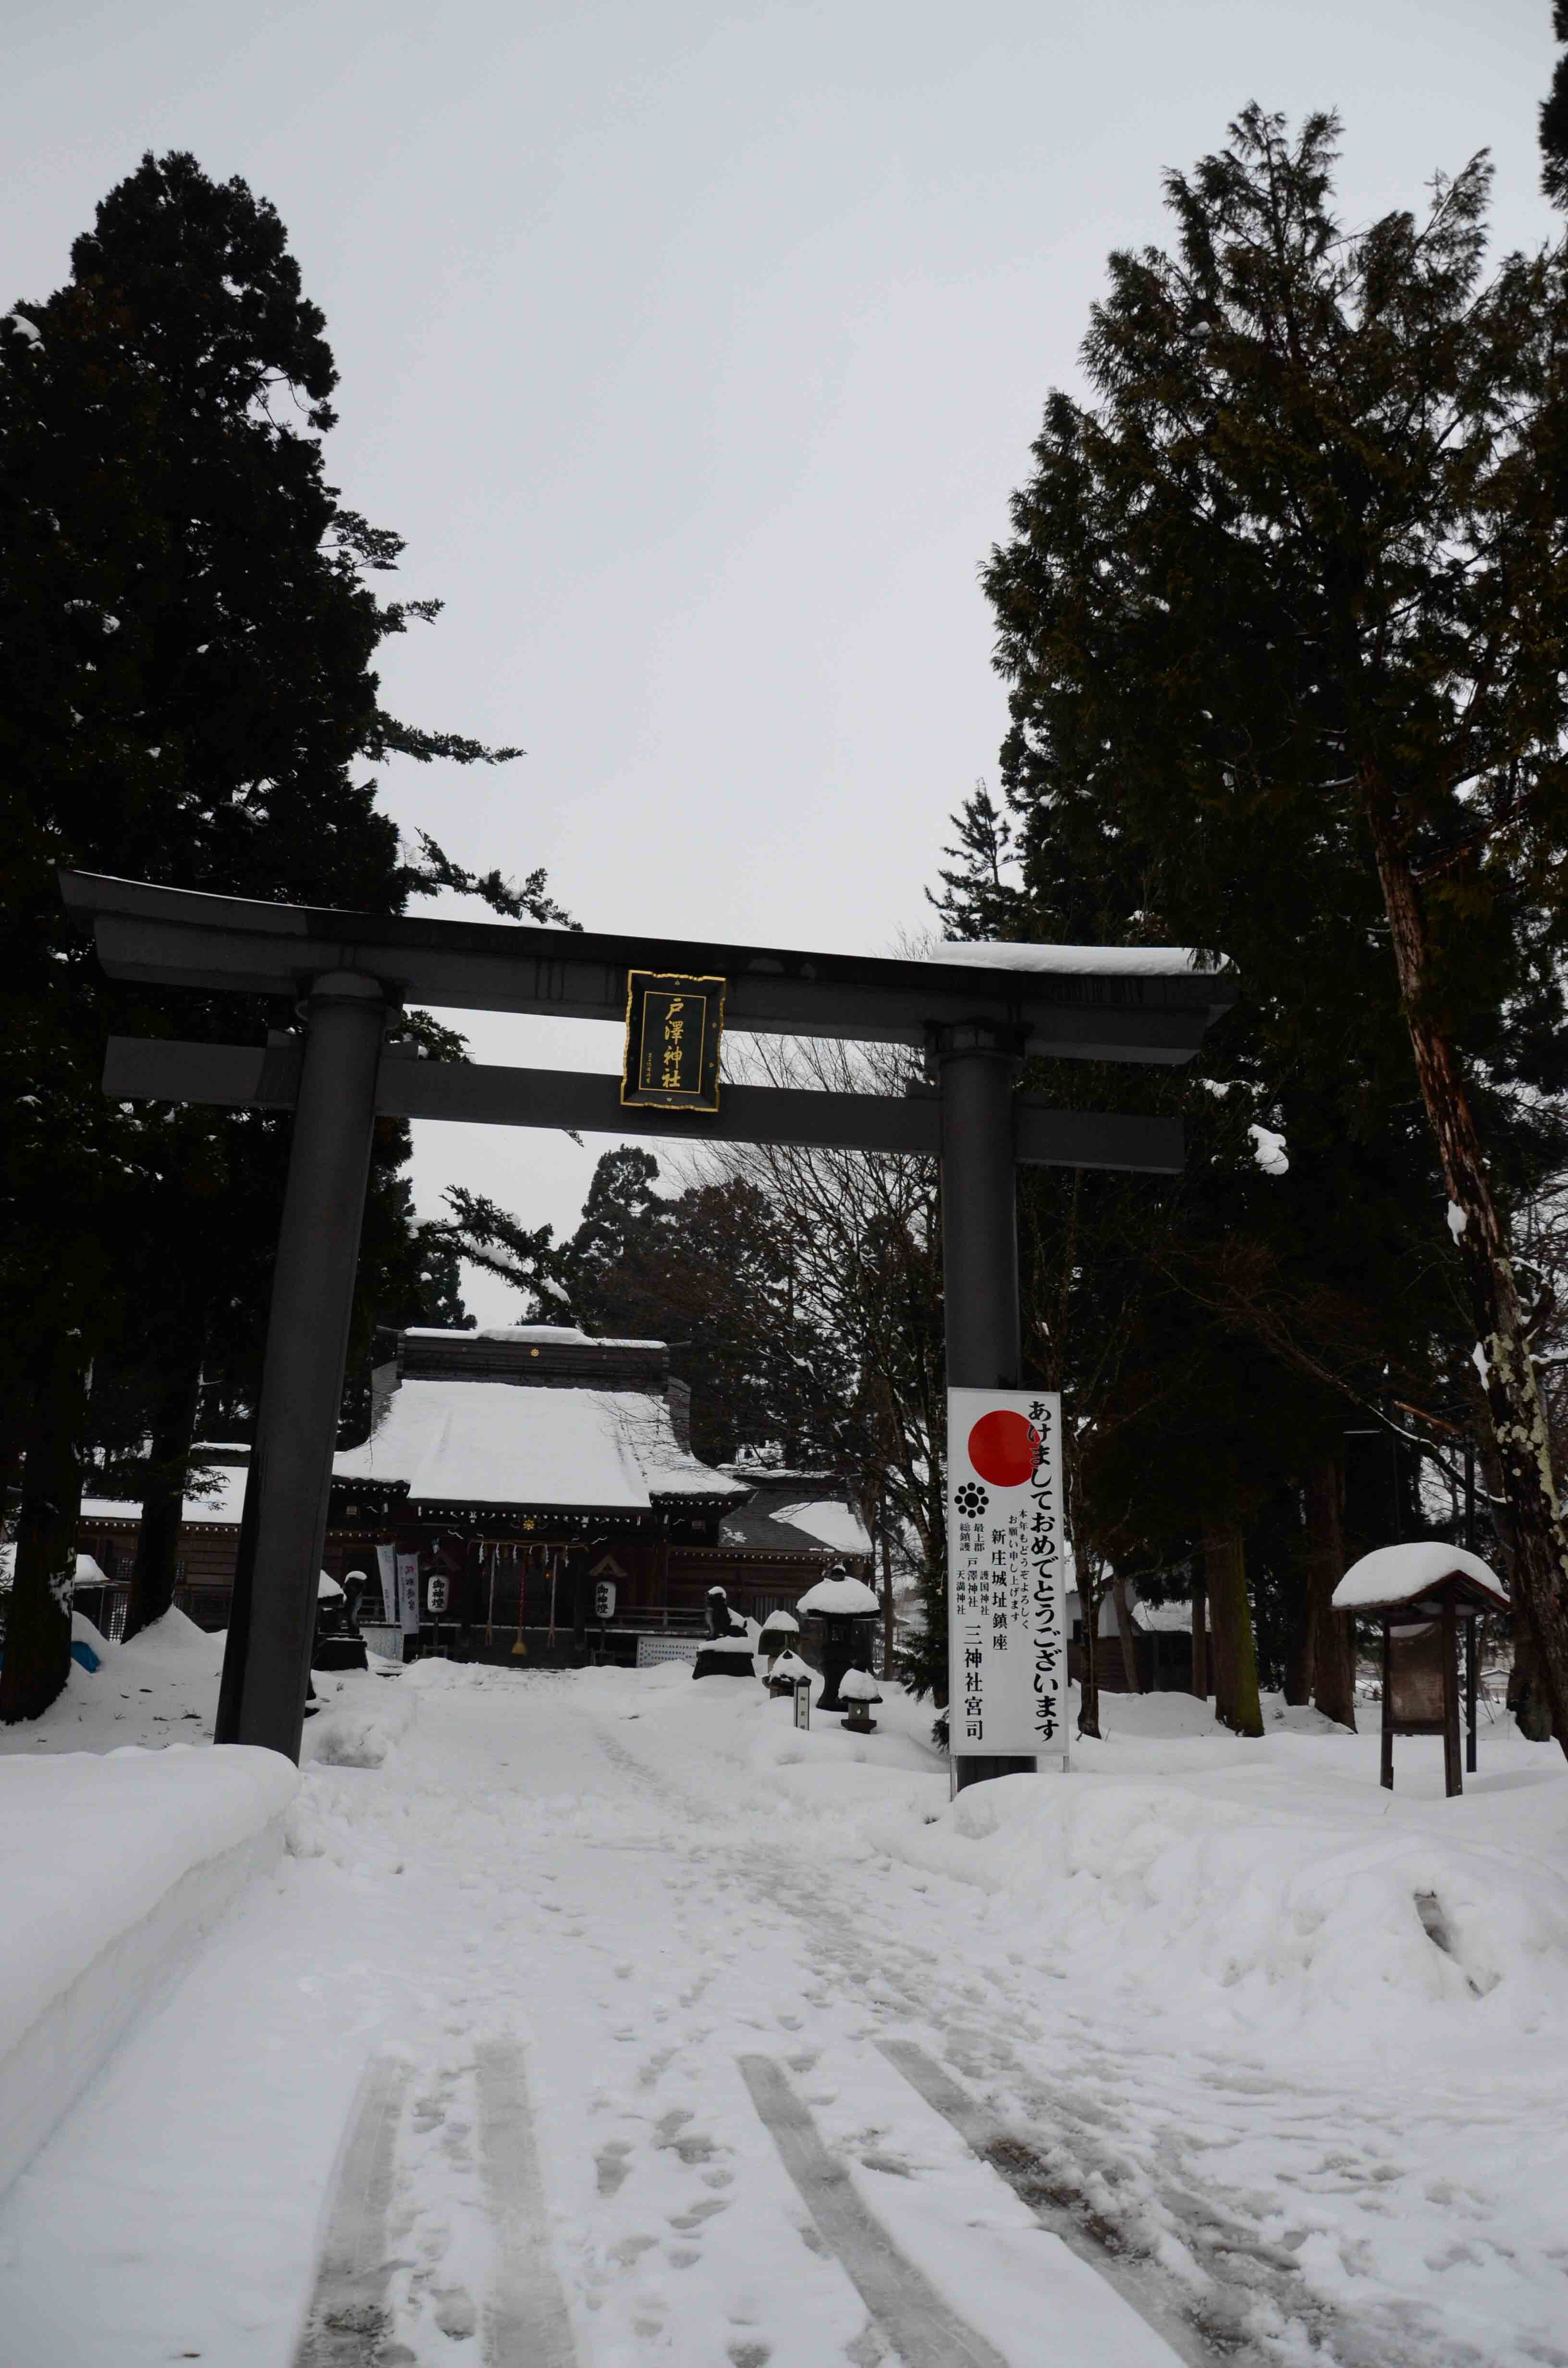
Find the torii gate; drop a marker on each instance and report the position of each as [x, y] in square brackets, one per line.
[975, 1012]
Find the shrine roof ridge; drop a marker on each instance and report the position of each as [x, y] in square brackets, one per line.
[1128, 1003]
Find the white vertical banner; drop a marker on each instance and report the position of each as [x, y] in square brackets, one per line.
[1006, 1606]
[408, 1591]
[386, 1563]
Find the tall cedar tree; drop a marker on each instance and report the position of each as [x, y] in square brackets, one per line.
[706, 1270]
[188, 623]
[1146, 1302]
[1285, 607]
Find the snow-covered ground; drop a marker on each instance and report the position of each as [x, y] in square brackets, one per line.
[1185, 2002]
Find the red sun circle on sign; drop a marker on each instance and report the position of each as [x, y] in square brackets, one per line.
[1004, 1448]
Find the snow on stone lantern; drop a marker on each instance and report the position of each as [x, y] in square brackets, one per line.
[780, 1633]
[860, 1690]
[847, 1609]
[1421, 1592]
[786, 1673]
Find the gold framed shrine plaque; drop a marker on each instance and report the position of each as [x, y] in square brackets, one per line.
[673, 1029]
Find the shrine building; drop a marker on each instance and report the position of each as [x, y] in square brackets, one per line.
[524, 1464]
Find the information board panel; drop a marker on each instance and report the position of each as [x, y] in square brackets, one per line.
[1006, 1601]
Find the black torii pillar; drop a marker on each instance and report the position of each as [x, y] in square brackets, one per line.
[266, 1661]
[979, 1065]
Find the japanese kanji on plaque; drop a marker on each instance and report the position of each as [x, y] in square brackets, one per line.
[1006, 1629]
[673, 1028]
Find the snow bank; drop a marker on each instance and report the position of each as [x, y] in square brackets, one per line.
[365, 1714]
[111, 1867]
[1262, 1910]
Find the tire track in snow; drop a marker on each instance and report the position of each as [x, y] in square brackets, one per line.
[350, 2315]
[1254, 2304]
[525, 2319]
[1027, 2177]
[923, 2329]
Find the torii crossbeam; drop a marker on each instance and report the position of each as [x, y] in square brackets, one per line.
[976, 1011]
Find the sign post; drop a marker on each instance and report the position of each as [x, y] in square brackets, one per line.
[436, 1589]
[1006, 1628]
[386, 1565]
[408, 1593]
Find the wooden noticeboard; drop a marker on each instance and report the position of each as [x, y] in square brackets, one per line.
[1421, 1682]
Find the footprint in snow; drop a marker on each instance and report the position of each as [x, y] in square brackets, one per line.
[455, 2314]
[612, 2165]
[630, 2250]
[695, 2216]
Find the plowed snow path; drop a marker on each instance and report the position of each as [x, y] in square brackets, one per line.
[589, 1884]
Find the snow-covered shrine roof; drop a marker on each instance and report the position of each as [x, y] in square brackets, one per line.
[219, 1505]
[1396, 1574]
[480, 1443]
[88, 1571]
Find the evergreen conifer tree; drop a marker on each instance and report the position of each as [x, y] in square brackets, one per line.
[1279, 620]
[188, 620]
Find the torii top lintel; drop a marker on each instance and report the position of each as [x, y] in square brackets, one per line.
[1091, 1004]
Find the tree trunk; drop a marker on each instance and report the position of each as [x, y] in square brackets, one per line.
[157, 1566]
[1300, 1639]
[38, 1638]
[1332, 1632]
[1127, 1634]
[1533, 1525]
[1236, 1703]
[1200, 1685]
[1089, 1684]
[890, 1622]
[1528, 1697]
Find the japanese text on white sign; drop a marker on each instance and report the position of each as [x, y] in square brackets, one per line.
[1006, 1629]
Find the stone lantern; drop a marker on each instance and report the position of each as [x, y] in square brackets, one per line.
[780, 1633]
[847, 1609]
[858, 1688]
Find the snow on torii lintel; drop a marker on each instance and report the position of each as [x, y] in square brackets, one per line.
[569, 1335]
[1115, 962]
[1393, 1575]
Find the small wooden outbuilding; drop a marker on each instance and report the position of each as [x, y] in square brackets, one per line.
[1422, 1593]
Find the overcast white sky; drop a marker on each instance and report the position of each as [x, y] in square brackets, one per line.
[696, 350]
